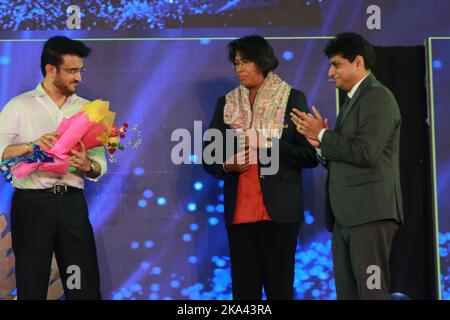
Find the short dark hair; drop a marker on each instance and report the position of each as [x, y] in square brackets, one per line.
[350, 45]
[56, 46]
[256, 49]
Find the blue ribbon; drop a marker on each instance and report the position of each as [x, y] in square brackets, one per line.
[36, 156]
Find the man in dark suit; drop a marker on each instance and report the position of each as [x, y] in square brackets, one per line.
[363, 195]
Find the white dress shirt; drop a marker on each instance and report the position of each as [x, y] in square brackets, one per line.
[29, 116]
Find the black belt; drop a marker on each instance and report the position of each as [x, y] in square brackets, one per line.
[56, 189]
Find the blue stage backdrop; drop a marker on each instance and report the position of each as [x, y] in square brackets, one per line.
[440, 95]
[159, 227]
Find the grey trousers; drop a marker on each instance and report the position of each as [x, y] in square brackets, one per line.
[361, 260]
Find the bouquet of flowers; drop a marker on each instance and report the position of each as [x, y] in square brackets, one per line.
[114, 138]
[93, 125]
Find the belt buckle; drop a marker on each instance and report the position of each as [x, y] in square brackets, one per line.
[59, 189]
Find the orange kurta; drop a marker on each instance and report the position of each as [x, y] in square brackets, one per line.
[249, 201]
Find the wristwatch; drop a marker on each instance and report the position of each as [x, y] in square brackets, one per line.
[92, 166]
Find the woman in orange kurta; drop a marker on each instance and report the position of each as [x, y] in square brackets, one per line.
[262, 212]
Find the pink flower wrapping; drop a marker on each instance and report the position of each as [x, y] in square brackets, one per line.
[91, 125]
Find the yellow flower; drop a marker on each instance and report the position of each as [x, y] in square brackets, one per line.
[98, 111]
[113, 140]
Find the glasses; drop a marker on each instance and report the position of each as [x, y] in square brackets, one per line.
[241, 63]
[74, 71]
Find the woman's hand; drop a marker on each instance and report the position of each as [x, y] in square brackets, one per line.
[239, 163]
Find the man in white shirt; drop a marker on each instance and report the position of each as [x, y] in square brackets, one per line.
[48, 211]
[363, 194]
